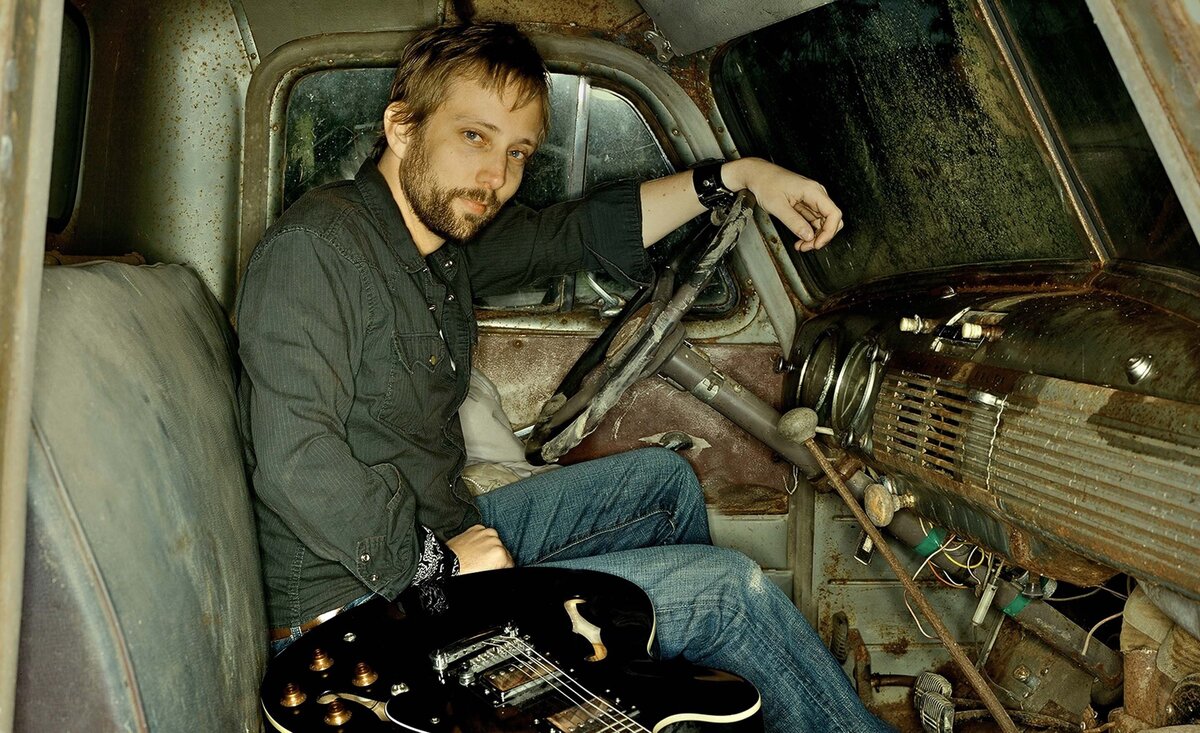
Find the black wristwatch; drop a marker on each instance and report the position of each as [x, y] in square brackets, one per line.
[706, 180]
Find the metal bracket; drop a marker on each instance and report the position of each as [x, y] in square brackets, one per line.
[661, 45]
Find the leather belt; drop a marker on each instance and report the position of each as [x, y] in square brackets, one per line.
[283, 632]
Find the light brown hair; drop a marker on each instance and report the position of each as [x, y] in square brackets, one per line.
[495, 54]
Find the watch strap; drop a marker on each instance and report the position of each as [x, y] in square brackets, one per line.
[711, 192]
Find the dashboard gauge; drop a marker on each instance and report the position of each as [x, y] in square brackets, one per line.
[818, 371]
[855, 386]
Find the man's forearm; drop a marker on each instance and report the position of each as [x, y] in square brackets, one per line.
[667, 203]
[800, 203]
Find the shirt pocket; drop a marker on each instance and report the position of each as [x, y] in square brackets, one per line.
[420, 388]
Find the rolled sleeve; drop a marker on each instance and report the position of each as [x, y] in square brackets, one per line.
[600, 232]
[303, 315]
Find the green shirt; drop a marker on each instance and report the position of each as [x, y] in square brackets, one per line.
[356, 353]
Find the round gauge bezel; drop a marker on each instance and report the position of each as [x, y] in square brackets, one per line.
[846, 410]
[812, 369]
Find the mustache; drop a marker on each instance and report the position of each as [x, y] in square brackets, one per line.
[478, 195]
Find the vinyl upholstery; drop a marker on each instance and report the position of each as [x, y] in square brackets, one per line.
[143, 604]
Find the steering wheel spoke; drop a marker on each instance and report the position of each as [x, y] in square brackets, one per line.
[645, 334]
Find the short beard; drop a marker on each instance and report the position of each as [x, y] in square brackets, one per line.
[433, 205]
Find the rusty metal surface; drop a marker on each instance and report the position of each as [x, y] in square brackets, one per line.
[30, 34]
[605, 18]
[739, 474]
[1031, 676]
[273, 23]
[1042, 429]
[1142, 685]
[1074, 463]
[1156, 47]
[162, 141]
[873, 599]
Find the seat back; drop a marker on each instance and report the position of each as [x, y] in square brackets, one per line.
[143, 603]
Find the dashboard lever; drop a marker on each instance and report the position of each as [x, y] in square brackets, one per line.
[803, 421]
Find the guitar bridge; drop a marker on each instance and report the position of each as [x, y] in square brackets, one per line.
[477, 649]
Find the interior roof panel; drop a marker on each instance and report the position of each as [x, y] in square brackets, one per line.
[692, 25]
[273, 23]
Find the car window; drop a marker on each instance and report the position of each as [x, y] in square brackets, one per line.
[68, 119]
[1103, 134]
[903, 109]
[596, 136]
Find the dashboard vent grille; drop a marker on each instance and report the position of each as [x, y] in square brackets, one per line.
[1112, 474]
[933, 423]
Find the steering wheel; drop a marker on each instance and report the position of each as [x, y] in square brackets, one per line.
[637, 342]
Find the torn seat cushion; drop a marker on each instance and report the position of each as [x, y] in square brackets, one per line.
[143, 604]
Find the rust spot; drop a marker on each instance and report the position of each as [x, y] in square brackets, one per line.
[898, 647]
[1056, 562]
[731, 499]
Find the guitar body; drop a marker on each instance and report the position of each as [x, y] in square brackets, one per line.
[530, 649]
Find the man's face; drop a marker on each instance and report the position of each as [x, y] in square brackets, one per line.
[467, 159]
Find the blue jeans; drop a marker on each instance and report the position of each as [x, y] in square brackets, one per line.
[640, 515]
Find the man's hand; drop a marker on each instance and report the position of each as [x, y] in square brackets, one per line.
[479, 548]
[800, 203]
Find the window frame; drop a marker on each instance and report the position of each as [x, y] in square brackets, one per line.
[679, 125]
[72, 17]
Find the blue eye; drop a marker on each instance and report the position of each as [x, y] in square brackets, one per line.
[473, 136]
[517, 155]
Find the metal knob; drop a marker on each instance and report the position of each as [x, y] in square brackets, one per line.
[798, 425]
[336, 713]
[293, 696]
[972, 331]
[321, 661]
[364, 676]
[881, 505]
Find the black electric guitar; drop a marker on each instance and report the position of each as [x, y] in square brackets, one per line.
[532, 649]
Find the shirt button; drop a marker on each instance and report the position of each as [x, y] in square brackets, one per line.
[364, 557]
[450, 298]
[448, 264]
[374, 578]
[432, 307]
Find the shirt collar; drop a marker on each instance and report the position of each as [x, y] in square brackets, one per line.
[383, 208]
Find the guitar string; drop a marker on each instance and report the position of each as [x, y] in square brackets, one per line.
[586, 697]
[624, 721]
[580, 700]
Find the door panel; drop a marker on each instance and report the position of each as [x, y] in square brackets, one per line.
[739, 474]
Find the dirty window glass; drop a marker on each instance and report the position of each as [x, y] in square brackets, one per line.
[596, 136]
[903, 110]
[333, 120]
[68, 120]
[1103, 134]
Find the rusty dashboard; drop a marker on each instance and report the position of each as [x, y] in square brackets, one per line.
[1060, 429]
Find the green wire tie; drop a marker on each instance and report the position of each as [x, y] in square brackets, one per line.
[1017, 605]
[932, 542]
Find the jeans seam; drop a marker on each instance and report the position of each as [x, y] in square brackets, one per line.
[780, 661]
[608, 530]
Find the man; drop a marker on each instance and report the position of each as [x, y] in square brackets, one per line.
[356, 328]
